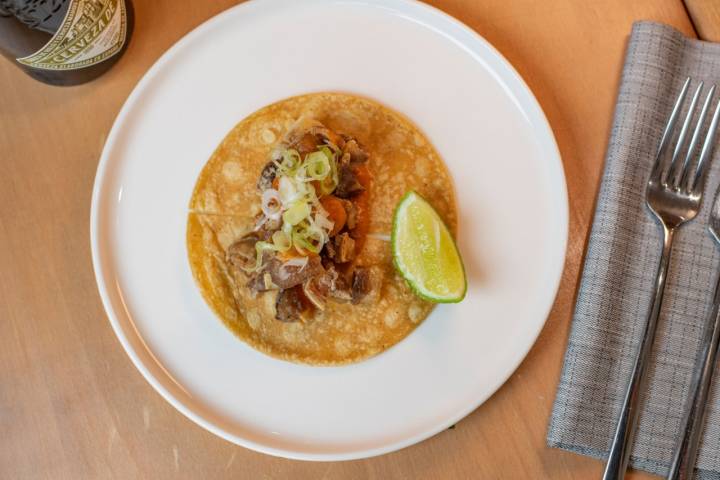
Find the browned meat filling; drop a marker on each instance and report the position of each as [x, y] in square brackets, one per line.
[267, 176]
[351, 213]
[290, 305]
[348, 184]
[341, 248]
[241, 254]
[285, 252]
[287, 276]
[362, 284]
[357, 154]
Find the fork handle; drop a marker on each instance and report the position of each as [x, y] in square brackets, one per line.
[684, 458]
[620, 448]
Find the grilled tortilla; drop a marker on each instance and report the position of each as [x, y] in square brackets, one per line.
[226, 204]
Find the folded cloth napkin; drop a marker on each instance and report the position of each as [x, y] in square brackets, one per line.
[620, 265]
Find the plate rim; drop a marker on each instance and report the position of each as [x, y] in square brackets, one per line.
[451, 28]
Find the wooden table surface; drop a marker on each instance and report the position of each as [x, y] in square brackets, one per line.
[72, 406]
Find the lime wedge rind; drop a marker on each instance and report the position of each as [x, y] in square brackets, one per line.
[434, 272]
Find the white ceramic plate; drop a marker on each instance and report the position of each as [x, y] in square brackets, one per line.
[511, 194]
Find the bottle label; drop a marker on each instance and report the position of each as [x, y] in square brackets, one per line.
[92, 31]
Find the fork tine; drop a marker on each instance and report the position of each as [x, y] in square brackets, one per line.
[657, 167]
[675, 171]
[704, 162]
[686, 177]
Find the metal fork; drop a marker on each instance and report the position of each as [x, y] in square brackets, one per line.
[686, 450]
[674, 194]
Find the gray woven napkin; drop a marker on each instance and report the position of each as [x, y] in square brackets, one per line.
[618, 277]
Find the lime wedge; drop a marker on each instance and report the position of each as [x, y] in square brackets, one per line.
[425, 253]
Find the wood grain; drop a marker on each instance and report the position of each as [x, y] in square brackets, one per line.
[72, 405]
[705, 15]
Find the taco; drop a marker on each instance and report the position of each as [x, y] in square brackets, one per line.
[288, 233]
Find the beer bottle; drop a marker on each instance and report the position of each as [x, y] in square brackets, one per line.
[64, 42]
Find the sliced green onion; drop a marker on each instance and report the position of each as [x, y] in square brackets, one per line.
[322, 221]
[317, 165]
[334, 148]
[291, 158]
[322, 169]
[290, 161]
[260, 248]
[297, 212]
[301, 176]
[328, 152]
[316, 236]
[288, 191]
[308, 237]
[328, 185]
[311, 195]
[281, 241]
[302, 244]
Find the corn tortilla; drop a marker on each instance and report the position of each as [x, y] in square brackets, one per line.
[225, 202]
